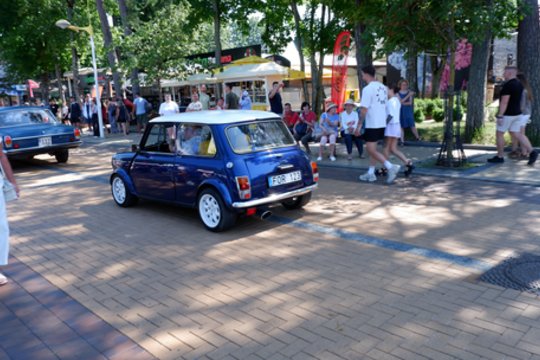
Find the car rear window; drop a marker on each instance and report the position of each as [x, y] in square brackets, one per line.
[27, 116]
[259, 135]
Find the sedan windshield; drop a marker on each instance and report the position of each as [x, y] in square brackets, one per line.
[26, 117]
[260, 135]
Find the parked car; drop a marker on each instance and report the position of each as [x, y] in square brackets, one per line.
[224, 163]
[28, 130]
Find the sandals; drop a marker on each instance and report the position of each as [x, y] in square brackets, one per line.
[409, 168]
[381, 172]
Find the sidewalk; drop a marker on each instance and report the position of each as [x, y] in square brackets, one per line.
[424, 156]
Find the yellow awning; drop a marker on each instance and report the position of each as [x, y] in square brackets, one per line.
[295, 75]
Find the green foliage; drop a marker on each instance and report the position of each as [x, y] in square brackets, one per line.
[430, 107]
[439, 103]
[419, 116]
[438, 115]
[159, 47]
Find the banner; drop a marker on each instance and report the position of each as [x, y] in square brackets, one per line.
[339, 68]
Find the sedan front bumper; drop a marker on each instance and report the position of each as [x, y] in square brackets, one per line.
[273, 198]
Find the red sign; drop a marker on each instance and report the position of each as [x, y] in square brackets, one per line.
[339, 68]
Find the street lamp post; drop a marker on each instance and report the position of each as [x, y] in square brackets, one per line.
[64, 24]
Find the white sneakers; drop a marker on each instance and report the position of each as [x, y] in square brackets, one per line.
[332, 158]
[368, 177]
[3, 279]
[319, 158]
[392, 173]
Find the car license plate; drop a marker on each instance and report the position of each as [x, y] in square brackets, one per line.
[45, 141]
[282, 179]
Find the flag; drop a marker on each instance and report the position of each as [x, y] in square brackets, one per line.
[339, 68]
[32, 85]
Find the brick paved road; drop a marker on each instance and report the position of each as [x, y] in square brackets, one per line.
[271, 291]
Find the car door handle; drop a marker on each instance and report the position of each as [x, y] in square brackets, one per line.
[285, 167]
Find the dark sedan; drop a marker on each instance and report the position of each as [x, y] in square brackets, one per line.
[26, 131]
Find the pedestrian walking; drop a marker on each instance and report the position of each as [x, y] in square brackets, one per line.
[509, 117]
[406, 114]
[87, 112]
[168, 107]
[122, 116]
[329, 124]
[276, 104]
[140, 105]
[111, 112]
[526, 109]
[4, 226]
[95, 117]
[373, 113]
[393, 130]
[349, 121]
[204, 98]
[231, 99]
[75, 113]
[245, 101]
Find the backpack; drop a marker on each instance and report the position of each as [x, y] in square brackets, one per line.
[147, 106]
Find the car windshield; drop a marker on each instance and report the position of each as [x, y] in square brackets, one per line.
[260, 135]
[26, 117]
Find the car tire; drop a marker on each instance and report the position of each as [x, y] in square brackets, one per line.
[296, 202]
[62, 156]
[213, 213]
[121, 194]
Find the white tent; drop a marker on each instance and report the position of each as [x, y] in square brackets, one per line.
[199, 79]
[253, 71]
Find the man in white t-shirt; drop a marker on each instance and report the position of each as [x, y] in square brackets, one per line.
[195, 104]
[169, 107]
[373, 112]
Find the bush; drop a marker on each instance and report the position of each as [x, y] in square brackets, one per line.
[419, 104]
[419, 116]
[439, 103]
[438, 115]
[463, 99]
[429, 108]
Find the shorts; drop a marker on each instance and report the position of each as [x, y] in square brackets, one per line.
[510, 123]
[373, 135]
[393, 130]
[88, 120]
[142, 119]
[525, 119]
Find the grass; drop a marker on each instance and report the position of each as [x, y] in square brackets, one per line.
[434, 131]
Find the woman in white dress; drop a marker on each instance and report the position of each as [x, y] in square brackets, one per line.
[4, 228]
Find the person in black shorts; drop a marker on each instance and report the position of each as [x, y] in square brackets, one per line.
[75, 113]
[373, 112]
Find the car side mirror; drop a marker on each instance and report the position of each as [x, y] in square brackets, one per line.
[134, 147]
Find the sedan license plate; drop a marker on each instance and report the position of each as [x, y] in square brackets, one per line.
[282, 179]
[45, 141]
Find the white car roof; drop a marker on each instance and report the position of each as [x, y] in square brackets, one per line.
[212, 117]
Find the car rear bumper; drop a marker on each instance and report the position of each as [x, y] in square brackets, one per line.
[273, 198]
[41, 150]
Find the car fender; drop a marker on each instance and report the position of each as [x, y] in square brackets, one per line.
[220, 187]
[127, 179]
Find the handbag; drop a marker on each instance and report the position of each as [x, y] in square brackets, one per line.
[9, 190]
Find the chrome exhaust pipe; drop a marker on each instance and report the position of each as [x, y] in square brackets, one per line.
[266, 214]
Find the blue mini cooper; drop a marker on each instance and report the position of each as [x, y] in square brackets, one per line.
[224, 163]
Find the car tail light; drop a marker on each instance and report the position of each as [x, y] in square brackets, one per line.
[16, 146]
[315, 171]
[7, 141]
[77, 133]
[244, 187]
[251, 211]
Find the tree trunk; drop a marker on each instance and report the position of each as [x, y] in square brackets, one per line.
[44, 87]
[124, 16]
[58, 74]
[300, 45]
[313, 62]
[529, 63]
[216, 7]
[74, 55]
[476, 89]
[108, 42]
[437, 69]
[449, 131]
[318, 97]
[412, 67]
[364, 54]
[424, 72]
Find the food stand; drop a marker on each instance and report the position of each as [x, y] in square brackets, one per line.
[255, 75]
